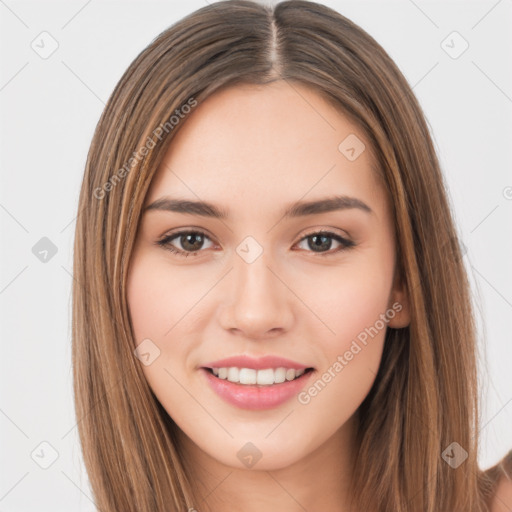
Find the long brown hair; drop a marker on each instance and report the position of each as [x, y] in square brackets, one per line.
[424, 397]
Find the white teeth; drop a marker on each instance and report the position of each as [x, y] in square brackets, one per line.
[265, 377]
[249, 376]
[233, 374]
[280, 375]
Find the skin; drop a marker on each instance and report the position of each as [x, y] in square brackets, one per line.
[502, 501]
[252, 150]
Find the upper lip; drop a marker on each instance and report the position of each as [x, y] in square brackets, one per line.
[256, 363]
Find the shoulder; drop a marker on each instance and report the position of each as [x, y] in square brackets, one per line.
[496, 485]
[502, 499]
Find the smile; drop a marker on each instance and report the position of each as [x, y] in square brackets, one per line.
[250, 376]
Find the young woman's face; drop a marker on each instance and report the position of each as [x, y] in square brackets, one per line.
[262, 281]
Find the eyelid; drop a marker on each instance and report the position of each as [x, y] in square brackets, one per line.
[328, 229]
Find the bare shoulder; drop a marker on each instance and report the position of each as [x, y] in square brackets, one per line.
[502, 500]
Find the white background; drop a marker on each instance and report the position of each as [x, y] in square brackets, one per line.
[49, 109]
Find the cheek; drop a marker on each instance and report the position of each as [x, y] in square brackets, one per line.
[166, 308]
[157, 306]
[158, 300]
[351, 300]
[360, 306]
[145, 302]
[351, 357]
[355, 306]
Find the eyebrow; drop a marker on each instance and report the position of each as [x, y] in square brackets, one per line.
[297, 209]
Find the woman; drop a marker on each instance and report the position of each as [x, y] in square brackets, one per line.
[270, 308]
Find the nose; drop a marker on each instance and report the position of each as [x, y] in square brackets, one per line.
[258, 304]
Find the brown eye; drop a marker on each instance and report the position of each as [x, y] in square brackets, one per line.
[190, 242]
[320, 242]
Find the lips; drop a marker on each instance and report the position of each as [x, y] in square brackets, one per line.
[250, 394]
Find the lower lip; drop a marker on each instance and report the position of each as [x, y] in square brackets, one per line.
[254, 397]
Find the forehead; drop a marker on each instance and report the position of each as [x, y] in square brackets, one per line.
[275, 143]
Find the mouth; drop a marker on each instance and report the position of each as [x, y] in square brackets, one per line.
[256, 389]
[265, 377]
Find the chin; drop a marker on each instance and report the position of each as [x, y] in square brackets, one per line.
[258, 454]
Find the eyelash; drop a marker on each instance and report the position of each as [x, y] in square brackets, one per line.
[166, 242]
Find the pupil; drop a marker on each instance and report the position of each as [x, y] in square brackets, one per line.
[318, 240]
[192, 237]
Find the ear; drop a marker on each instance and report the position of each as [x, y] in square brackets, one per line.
[399, 303]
